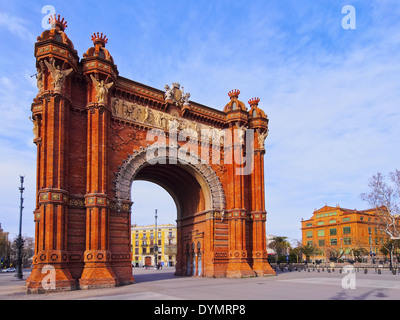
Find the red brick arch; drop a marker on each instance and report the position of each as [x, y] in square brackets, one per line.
[205, 176]
[90, 129]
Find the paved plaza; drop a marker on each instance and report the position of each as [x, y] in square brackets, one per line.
[163, 285]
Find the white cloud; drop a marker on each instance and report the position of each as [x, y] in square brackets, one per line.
[16, 26]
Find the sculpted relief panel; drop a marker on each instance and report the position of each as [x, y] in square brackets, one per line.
[141, 114]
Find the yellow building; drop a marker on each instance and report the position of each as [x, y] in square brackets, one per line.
[340, 232]
[144, 239]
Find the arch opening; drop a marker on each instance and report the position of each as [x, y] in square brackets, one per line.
[195, 189]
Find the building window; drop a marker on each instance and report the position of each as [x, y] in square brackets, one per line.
[321, 243]
[320, 223]
[307, 225]
[332, 232]
[309, 243]
[321, 233]
[309, 234]
[333, 242]
[346, 230]
[332, 221]
[346, 219]
[347, 241]
[361, 218]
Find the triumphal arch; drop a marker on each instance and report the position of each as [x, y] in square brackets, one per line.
[96, 132]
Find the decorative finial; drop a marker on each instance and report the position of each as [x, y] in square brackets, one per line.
[99, 39]
[254, 101]
[56, 22]
[234, 93]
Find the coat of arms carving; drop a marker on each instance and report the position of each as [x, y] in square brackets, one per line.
[176, 95]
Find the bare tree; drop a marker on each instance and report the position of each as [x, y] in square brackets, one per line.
[385, 198]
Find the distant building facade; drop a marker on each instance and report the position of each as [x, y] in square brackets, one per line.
[340, 232]
[144, 239]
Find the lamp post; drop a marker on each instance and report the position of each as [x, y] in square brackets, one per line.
[370, 243]
[156, 241]
[20, 243]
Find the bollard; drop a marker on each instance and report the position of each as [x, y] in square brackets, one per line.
[379, 271]
[329, 270]
[365, 271]
[394, 271]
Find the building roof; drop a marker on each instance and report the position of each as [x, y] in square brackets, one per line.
[153, 226]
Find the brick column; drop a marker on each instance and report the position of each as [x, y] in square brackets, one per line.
[258, 215]
[97, 271]
[51, 213]
[238, 265]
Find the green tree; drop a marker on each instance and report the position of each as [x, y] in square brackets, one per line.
[5, 250]
[310, 250]
[280, 245]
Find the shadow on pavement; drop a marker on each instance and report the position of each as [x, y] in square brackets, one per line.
[154, 275]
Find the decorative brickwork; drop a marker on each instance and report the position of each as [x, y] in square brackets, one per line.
[96, 132]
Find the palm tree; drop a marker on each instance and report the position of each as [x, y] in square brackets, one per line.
[280, 245]
[310, 250]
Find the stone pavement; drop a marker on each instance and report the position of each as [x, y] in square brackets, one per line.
[162, 285]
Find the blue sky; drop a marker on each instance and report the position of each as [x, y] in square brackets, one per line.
[332, 95]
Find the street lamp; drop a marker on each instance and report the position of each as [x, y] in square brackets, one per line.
[19, 241]
[155, 244]
[370, 243]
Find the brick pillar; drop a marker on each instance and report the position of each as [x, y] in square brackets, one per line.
[97, 271]
[51, 260]
[180, 267]
[238, 265]
[259, 217]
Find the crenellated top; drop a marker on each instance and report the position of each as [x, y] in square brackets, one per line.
[99, 50]
[235, 104]
[56, 32]
[258, 120]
